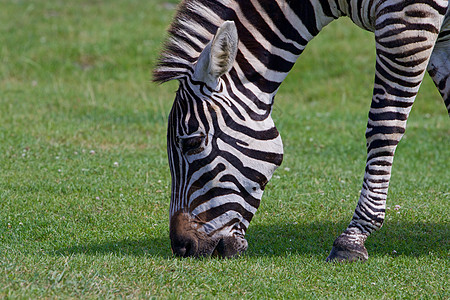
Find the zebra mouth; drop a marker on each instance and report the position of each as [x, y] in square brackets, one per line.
[218, 250]
[230, 246]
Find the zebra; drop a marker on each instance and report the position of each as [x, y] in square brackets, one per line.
[230, 57]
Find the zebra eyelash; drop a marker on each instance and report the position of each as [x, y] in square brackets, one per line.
[192, 144]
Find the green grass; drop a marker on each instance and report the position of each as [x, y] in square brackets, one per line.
[85, 184]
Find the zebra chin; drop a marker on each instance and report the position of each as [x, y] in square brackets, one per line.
[189, 240]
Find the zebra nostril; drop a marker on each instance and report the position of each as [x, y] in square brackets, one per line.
[190, 248]
[181, 251]
[184, 246]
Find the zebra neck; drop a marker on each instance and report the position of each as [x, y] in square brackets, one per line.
[272, 36]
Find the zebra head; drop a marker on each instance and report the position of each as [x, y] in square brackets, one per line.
[222, 148]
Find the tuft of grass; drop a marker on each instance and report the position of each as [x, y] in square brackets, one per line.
[85, 185]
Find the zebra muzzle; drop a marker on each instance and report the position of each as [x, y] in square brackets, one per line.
[188, 240]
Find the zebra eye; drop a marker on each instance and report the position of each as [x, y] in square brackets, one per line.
[191, 145]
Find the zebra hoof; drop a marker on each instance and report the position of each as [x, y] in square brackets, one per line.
[346, 249]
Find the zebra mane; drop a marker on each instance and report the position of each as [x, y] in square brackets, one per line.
[194, 25]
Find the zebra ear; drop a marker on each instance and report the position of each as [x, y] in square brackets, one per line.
[218, 56]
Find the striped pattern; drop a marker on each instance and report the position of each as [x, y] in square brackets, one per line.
[216, 176]
[222, 143]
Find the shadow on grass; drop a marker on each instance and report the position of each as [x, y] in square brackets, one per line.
[159, 246]
[316, 239]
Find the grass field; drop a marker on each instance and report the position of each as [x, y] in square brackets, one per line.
[85, 184]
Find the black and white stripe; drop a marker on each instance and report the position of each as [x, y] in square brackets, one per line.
[222, 143]
[207, 182]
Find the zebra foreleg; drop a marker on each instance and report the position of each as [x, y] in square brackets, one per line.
[385, 128]
[439, 65]
[403, 53]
